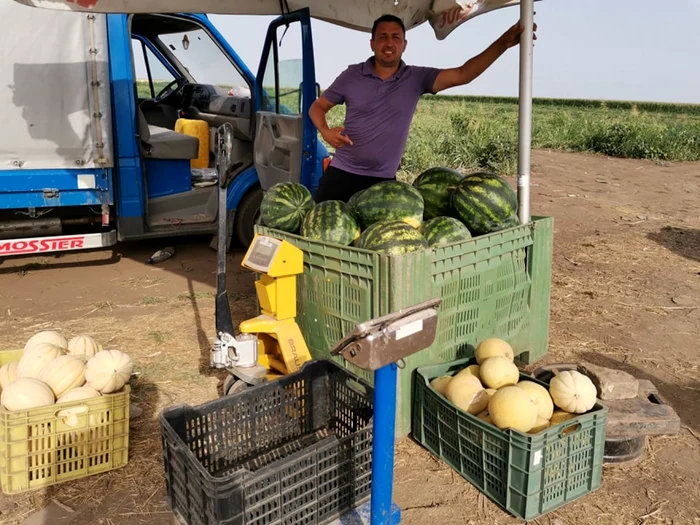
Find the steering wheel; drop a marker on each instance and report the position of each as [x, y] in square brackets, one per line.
[171, 88]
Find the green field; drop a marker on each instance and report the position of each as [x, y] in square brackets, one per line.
[477, 132]
[482, 132]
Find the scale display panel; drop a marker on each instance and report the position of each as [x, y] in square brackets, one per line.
[262, 253]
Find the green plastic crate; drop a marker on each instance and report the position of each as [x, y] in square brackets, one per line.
[492, 285]
[526, 474]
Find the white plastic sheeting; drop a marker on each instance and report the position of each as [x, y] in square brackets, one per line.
[49, 106]
[443, 15]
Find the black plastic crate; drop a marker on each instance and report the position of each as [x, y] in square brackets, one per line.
[297, 450]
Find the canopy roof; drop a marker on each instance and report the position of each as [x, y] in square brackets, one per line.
[443, 15]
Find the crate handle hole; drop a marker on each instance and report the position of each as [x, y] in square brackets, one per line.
[571, 429]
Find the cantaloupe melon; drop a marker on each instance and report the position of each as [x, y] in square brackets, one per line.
[497, 372]
[46, 336]
[511, 407]
[559, 416]
[485, 416]
[467, 393]
[540, 396]
[572, 391]
[36, 358]
[440, 383]
[8, 373]
[108, 371]
[492, 347]
[63, 374]
[83, 345]
[540, 425]
[470, 370]
[78, 394]
[25, 393]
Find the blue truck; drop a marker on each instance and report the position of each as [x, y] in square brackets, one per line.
[110, 122]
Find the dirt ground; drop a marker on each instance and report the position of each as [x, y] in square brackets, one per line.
[626, 293]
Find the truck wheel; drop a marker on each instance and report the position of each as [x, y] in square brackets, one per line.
[247, 214]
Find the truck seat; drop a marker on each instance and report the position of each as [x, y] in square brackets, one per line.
[163, 143]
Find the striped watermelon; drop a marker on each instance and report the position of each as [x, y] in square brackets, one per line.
[485, 203]
[392, 238]
[284, 206]
[352, 201]
[390, 200]
[444, 230]
[435, 185]
[331, 221]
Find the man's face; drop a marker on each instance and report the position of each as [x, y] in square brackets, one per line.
[388, 44]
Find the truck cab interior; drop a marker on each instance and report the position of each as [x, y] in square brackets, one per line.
[186, 86]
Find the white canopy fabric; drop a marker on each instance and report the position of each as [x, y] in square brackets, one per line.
[443, 15]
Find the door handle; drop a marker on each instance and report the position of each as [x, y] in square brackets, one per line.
[272, 126]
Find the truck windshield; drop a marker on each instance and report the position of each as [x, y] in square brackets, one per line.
[205, 61]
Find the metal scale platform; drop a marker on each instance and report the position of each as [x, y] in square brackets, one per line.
[377, 346]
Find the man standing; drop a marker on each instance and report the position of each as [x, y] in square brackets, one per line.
[381, 96]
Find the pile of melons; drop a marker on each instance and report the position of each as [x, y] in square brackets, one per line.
[54, 370]
[493, 391]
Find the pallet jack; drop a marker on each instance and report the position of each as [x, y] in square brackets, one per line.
[271, 344]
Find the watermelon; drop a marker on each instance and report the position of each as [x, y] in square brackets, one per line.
[392, 238]
[435, 185]
[352, 201]
[284, 206]
[331, 221]
[485, 203]
[390, 200]
[444, 230]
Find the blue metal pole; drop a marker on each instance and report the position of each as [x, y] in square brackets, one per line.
[383, 444]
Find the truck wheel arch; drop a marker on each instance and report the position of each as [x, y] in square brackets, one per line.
[247, 213]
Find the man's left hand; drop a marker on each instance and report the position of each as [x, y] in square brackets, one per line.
[512, 37]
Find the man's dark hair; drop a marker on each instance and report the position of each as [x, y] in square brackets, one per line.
[388, 18]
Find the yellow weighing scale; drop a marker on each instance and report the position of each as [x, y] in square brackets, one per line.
[271, 344]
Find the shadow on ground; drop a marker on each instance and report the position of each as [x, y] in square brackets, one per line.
[682, 241]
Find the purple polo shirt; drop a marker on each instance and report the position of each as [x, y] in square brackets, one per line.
[378, 115]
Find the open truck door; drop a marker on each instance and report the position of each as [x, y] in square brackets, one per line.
[285, 146]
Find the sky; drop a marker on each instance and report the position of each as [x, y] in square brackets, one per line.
[642, 50]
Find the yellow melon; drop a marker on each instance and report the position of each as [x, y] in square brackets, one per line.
[485, 416]
[83, 345]
[497, 372]
[572, 391]
[540, 396]
[78, 394]
[491, 391]
[108, 371]
[8, 373]
[511, 407]
[25, 393]
[36, 358]
[470, 370]
[492, 347]
[64, 373]
[467, 394]
[540, 425]
[440, 383]
[559, 416]
[46, 336]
